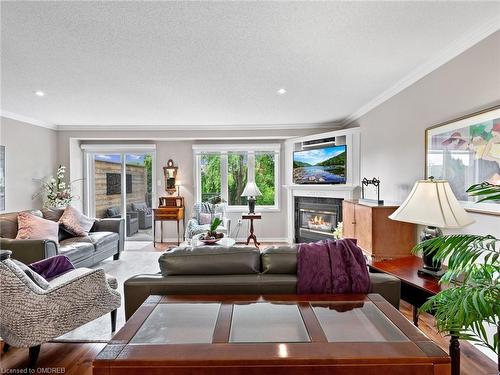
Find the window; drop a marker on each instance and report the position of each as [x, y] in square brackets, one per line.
[224, 170]
[237, 177]
[210, 176]
[264, 178]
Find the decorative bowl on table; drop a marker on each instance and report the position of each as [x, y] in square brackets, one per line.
[211, 239]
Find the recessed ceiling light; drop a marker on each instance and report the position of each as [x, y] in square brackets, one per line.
[281, 92]
[39, 93]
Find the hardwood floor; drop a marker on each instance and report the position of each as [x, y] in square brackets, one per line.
[76, 358]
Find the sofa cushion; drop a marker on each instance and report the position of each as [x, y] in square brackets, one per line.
[75, 249]
[279, 259]
[208, 260]
[113, 211]
[34, 227]
[100, 239]
[8, 223]
[75, 222]
[52, 213]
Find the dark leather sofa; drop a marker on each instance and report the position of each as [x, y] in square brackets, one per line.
[237, 270]
[106, 238]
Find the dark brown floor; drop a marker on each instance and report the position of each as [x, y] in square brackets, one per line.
[76, 359]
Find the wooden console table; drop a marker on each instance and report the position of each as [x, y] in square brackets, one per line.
[162, 214]
[252, 236]
[416, 289]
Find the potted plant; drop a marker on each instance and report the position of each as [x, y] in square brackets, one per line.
[473, 276]
[212, 234]
[55, 192]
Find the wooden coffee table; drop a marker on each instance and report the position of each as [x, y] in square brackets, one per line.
[281, 334]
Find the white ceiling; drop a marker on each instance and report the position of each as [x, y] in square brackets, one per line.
[219, 63]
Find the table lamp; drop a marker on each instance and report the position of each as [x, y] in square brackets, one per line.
[433, 204]
[251, 191]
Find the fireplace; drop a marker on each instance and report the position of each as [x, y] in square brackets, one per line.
[316, 218]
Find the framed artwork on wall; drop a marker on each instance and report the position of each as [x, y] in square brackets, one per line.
[466, 151]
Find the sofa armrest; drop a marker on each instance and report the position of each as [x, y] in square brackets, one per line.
[29, 251]
[112, 225]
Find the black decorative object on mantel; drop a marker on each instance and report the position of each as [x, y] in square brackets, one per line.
[375, 182]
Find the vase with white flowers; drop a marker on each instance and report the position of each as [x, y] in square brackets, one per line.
[55, 191]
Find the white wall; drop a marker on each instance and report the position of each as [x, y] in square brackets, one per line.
[30, 153]
[392, 135]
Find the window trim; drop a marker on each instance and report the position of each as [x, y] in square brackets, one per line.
[223, 150]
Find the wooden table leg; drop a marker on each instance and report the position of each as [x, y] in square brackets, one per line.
[161, 231]
[178, 236]
[415, 315]
[252, 236]
[455, 355]
[154, 233]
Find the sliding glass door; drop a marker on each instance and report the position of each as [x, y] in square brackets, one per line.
[120, 185]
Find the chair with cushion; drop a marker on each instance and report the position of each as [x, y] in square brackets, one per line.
[132, 219]
[145, 214]
[34, 311]
[202, 216]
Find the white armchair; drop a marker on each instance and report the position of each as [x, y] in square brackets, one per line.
[31, 316]
[194, 225]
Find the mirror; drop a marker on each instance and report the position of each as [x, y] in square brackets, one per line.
[170, 173]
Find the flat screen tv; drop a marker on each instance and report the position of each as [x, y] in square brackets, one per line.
[320, 166]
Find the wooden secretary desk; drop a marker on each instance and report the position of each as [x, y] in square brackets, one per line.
[169, 209]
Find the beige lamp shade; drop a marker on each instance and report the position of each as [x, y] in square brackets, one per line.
[432, 203]
[251, 190]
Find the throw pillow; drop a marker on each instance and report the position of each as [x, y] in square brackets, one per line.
[205, 218]
[32, 227]
[52, 267]
[75, 222]
[35, 277]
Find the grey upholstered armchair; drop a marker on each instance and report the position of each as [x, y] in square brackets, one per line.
[196, 225]
[145, 214]
[31, 315]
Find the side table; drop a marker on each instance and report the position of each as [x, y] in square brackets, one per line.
[252, 236]
[416, 289]
[162, 214]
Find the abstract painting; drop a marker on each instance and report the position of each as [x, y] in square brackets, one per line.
[465, 152]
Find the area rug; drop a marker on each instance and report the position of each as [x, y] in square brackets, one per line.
[130, 263]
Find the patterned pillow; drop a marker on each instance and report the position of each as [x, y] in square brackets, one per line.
[32, 227]
[75, 222]
[205, 218]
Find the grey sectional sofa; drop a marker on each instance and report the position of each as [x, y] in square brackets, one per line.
[106, 238]
[236, 270]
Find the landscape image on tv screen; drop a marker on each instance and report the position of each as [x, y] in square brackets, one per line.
[320, 166]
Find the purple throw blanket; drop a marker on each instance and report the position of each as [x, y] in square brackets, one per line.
[328, 267]
[52, 267]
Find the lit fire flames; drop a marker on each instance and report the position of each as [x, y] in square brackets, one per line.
[317, 222]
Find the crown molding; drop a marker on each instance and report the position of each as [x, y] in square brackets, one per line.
[453, 50]
[28, 120]
[142, 128]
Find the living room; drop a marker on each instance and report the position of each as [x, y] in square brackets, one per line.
[128, 129]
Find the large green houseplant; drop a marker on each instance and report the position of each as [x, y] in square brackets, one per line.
[473, 277]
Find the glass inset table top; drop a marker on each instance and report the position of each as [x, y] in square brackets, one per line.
[355, 322]
[179, 323]
[267, 322]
